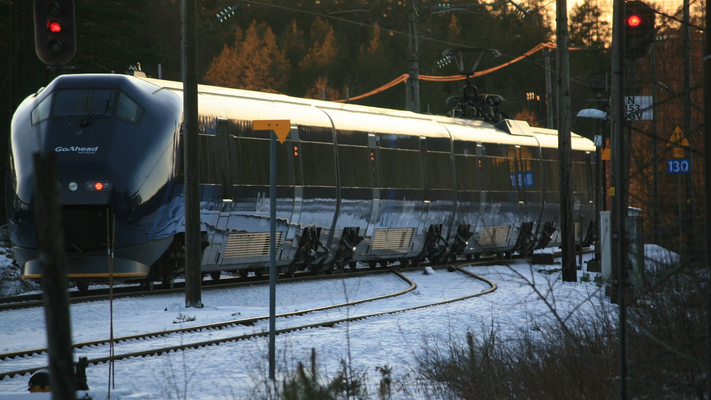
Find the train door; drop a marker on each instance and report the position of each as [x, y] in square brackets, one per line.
[294, 145]
[224, 157]
[521, 177]
[528, 187]
[480, 154]
[315, 162]
[425, 185]
[440, 197]
[355, 196]
[375, 179]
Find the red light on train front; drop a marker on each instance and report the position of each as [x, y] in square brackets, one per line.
[97, 186]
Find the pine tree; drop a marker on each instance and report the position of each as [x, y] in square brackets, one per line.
[255, 62]
[318, 64]
[588, 27]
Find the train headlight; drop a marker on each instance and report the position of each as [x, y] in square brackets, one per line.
[73, 186]
[97, 186]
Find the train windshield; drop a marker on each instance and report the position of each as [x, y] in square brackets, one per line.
[91, 104]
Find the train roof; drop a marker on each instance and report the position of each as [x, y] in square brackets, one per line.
[246, 105]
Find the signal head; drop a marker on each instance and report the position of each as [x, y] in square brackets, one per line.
[55, 37]
[639, 29]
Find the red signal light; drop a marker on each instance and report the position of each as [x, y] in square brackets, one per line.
[54, 26]
[98, 186]
[634, 21]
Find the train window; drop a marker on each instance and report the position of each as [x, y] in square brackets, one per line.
[467, 172]
[41, 112]
[499, 175]
[401, 169]
[464, 147]
[252, 157]
[249, 162]
[392, 141]
[439, 166]
[88, 103]
[550, 168]
[580, 178]
[315, 134]
[354, 168]
[318, 164]
[128, 109]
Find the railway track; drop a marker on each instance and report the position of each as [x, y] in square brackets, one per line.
[101, 294]
[124, 349]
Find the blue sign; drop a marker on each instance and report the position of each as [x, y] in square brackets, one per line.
[525, 179]
[678, 166]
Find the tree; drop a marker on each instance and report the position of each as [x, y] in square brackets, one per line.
[588, 28]
[255, 62]
[318, 64]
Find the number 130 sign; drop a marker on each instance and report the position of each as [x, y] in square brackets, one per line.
[678, 166]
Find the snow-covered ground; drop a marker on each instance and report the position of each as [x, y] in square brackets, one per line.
[239, 369]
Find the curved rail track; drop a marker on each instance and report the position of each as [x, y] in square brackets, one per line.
[99, 294]
[24, 356]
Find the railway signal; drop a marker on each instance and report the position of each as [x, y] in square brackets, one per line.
[639, 29]
[55, 36]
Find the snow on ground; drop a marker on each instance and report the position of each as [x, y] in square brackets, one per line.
[239, 369]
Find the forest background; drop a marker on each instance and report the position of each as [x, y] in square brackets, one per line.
[307, 48]
[334, 49]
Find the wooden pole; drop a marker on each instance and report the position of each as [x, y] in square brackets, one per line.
[53, 261]
[193, 250]
[570, 273]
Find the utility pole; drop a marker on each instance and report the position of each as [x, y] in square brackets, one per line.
[550, 123]
[618, 189]
[688, 220]
[570, 272]
[53, 259]
[707, 166]
[413, 69]
[193, 248]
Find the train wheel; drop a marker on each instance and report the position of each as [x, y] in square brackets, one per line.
[83, 286]
[352, 266]
[215, 275]
[372, 264]
[147, 285]
[259, 272]
[168, 282]
[243, 273]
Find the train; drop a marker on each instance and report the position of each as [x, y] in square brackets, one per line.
[355, 184]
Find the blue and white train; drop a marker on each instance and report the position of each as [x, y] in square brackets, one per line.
[355, 183]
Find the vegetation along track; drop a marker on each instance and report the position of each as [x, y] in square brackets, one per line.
[24, 355]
